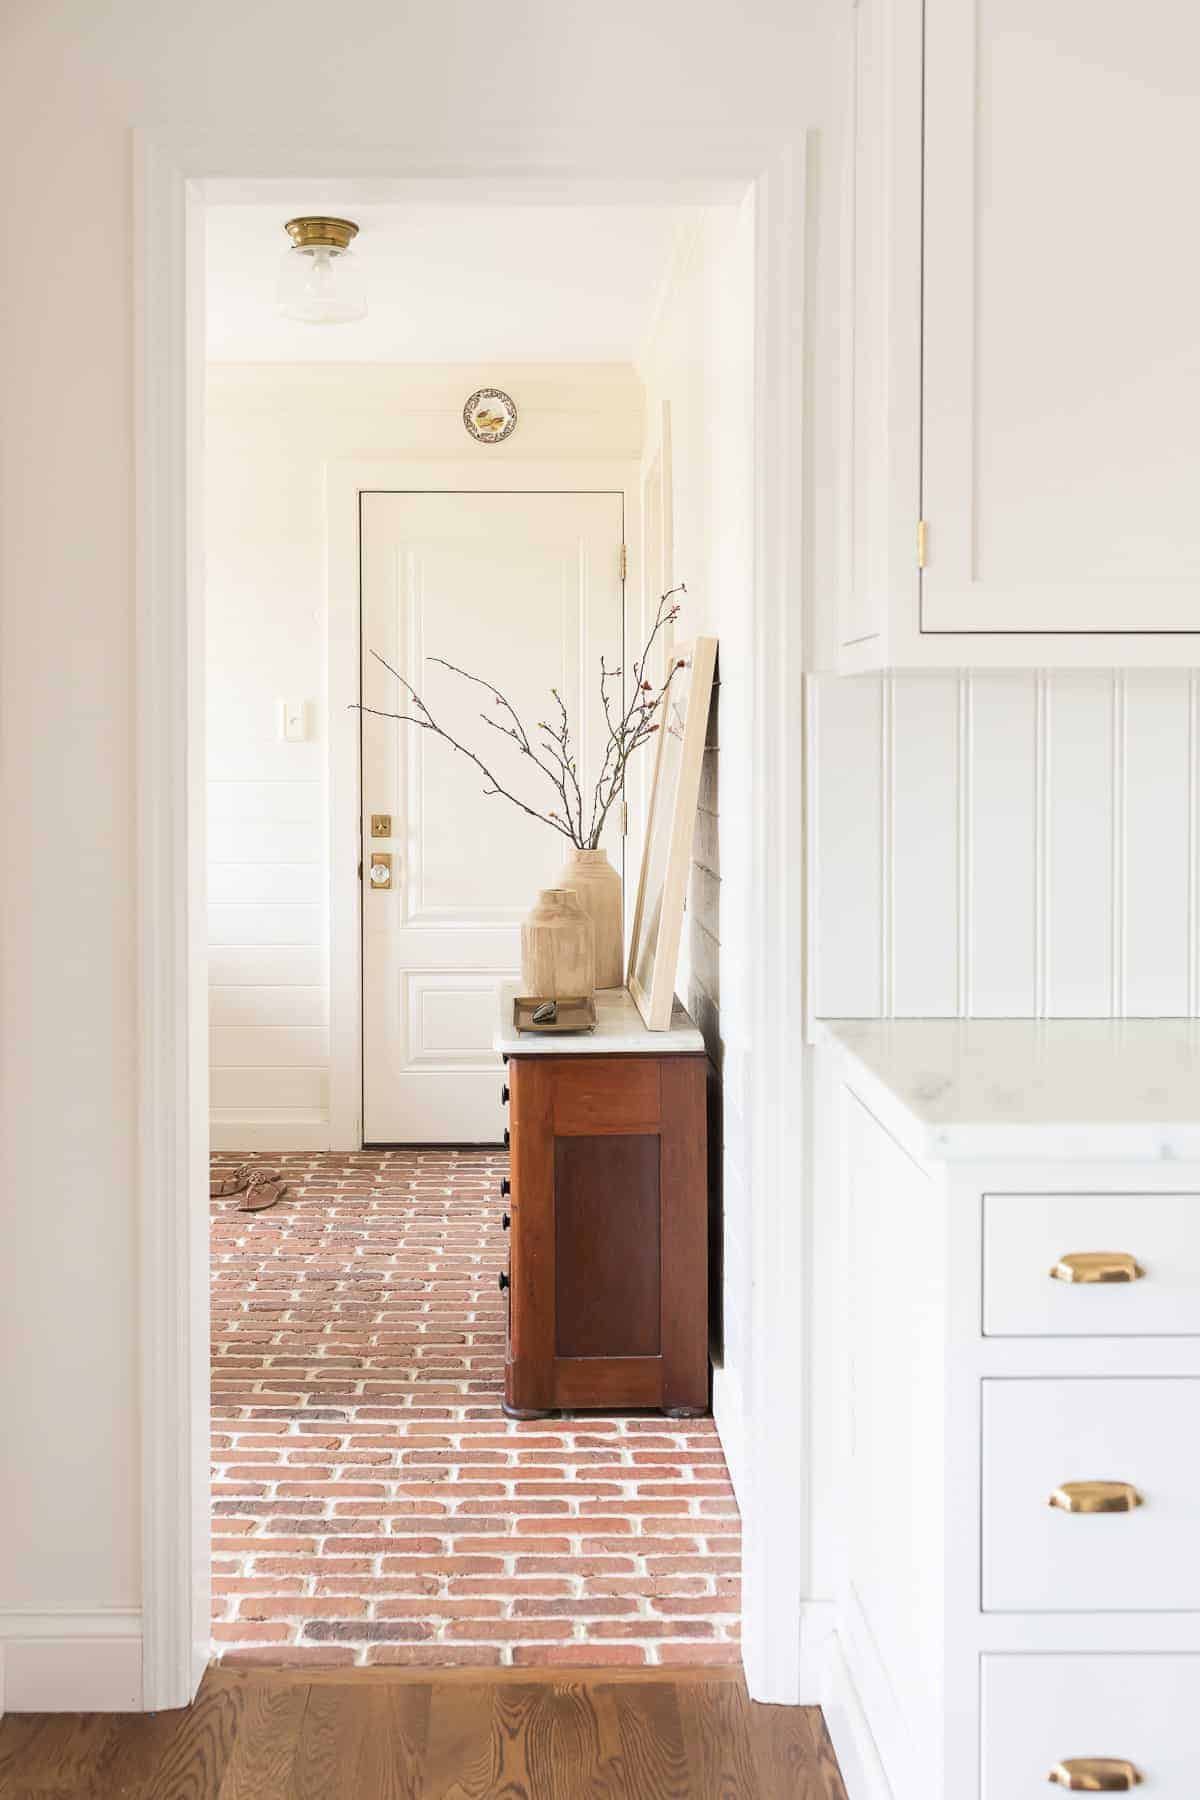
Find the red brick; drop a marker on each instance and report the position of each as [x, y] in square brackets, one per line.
[372, 1501]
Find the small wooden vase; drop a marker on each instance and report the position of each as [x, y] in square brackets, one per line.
[558, 948]
[592, 878]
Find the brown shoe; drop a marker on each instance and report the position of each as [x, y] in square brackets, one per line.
[222, 1182]
[262, 1190]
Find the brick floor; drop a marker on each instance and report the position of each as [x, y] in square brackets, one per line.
[373, 1504]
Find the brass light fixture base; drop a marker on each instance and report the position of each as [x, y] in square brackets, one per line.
[335, 234]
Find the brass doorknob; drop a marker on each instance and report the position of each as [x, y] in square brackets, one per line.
[1097, 1265]
[1095, 1775]
[1095, 1497]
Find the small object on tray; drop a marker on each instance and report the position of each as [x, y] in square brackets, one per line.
[560, 1016]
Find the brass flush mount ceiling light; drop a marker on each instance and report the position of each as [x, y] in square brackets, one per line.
[319, 278]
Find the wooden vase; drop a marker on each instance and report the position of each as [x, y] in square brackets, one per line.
[558, 948]
[591, 877]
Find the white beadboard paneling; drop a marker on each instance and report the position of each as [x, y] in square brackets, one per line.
[264, 840]
[268, 1046]
[924, 842]
[1157, 841]
[245, 1004]
[229, 924]
[1002, 867]
[265, 882]
[255, 1090]
[1079, 844]
[267, 965]
[844, 723]
[1047, 823]
[299, 802]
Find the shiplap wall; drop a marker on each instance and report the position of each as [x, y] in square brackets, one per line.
[270, 431]
[1011, 843]
[698, 364]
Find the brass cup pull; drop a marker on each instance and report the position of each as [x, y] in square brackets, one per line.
[1097, 1265]
[1095, 1775]
[1095, 1497]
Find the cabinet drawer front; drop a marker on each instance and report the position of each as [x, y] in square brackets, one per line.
[1039, 1434]
[1041, 1710]
[1027, 1235]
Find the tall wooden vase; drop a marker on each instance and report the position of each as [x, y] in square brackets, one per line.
[558, 948]
[590, 875]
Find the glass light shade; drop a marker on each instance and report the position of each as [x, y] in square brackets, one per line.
[321, 284]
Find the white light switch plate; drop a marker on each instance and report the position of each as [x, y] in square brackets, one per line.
[293, 721]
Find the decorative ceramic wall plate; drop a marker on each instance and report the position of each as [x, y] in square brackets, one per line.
[490, 415]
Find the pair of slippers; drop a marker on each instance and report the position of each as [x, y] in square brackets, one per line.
[262, 1186]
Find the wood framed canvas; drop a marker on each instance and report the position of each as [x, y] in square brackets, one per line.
[662, 884]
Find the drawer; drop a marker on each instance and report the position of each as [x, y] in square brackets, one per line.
[1039, 1710]
[1026, 1235]
[1038, 1434]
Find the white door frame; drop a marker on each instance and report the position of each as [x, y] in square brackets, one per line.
[764, 1074]
[345, 481]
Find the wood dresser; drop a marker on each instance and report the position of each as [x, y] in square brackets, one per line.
[608, 1213]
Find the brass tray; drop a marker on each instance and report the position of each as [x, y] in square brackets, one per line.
[570, 1015]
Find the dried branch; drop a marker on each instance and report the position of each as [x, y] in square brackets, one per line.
[627, 733]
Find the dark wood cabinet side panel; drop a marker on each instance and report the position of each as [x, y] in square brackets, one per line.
[684, 1181]
[602, 1094]
[607, 1225]
[531, 1294]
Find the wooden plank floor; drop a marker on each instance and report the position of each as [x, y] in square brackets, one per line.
[398, 1735]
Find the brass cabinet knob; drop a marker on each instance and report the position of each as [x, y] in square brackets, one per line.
[1097, 1265]
[1095, 1497]
[1095, 1775]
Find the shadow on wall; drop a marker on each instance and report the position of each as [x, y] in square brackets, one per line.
[704, 992]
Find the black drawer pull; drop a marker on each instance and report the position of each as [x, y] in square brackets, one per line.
[505, 1186]
[506, 1137]
[504, 1095]
[503, 1280]
[505, 1220]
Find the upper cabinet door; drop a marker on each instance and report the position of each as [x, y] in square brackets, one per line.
[1060, 333]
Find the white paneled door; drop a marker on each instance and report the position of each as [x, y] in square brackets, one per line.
[524, 591]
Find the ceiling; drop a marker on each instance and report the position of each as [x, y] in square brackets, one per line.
[536, 283]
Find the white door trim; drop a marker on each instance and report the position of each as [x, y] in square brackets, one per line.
[344, 482]
[762, 1073]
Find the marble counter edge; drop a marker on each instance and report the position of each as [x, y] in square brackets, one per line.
[1062, 1140]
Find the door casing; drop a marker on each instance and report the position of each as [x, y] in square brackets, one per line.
[344, 482]
[766, 1076]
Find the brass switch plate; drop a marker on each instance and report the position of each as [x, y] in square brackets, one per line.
[381, 824]
[381, 869]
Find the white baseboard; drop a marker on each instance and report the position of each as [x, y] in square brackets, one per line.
[71, 1662]
[731, 1429]
[268, 1134]
[849, 1732]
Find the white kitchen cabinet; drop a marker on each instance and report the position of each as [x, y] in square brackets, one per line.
[1041, 1711]
[1022, 413]
[983, 1635]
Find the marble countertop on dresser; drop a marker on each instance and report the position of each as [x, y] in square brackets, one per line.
[984, 1088]
[619, 1031]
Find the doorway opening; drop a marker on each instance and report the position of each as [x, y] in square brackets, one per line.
[371, 1504]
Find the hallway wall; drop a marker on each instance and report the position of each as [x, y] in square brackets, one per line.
[698, 367]
[271, 430]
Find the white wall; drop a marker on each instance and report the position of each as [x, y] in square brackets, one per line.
[271, 431]
[1006, 844]
[698, 367]
[287, 83]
